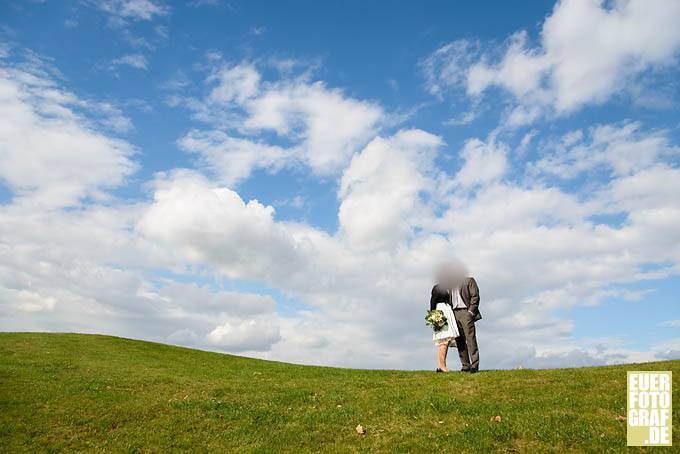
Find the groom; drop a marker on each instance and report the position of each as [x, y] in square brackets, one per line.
[465, 302]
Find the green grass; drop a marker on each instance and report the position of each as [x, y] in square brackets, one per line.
[85, 392]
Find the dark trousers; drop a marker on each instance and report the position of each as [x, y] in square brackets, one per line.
[467, 341]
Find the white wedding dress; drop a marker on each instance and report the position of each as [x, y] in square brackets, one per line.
[449, 332]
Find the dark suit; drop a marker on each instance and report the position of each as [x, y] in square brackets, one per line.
[469, 293]
[465, 319]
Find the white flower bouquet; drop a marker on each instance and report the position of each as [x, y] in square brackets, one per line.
[436, 320]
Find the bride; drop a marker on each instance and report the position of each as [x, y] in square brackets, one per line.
[446, 337]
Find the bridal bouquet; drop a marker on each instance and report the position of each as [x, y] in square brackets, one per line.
[435, 319]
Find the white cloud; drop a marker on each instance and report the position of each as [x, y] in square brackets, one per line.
[86, 270]
[509, 208]
[252, 335]
[667, 349]
[192, 219]
[594, 50]
[232, 321]
[137, 61]
[132, 9]
[29, 301]
[5, 50]
[331, 126]
[236, 84]
[386, 180]
[379, 258]
[446, 67]
[620, 149]
[233, 159]
[520, 71]
[601, 351]
[323, 126]
[670, 323]
[526, 141]
[197, 3]
[208, 224]
[110, 117]
[588, 52]
[483, 162]
[49, 153]
[642, 190]
[211, 304]
[177, 82]
[462, 119]
[73, 257]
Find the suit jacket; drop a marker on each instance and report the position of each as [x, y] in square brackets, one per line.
[469, 293]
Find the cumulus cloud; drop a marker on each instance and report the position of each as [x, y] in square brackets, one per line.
[330, 125]
[235, 84]
[251, 335]
[74, 257]
[49, 153]
[514, 225]
[193, 220]
[227, 320]
[28, 301]
[483, 162]
[211, 304]
[88, 271]
[386, 180]
[70, 256]
[208, 224]
[323, 126]
[589, 50]
[231, 159]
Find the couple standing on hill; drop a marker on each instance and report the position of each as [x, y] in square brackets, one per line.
[457, 296]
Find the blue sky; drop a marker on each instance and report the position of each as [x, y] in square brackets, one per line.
[278, 179]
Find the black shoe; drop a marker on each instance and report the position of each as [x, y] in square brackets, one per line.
[474, 370]
[439, 370]
[465, 370]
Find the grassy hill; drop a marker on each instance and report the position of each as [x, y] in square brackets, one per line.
[86, 392]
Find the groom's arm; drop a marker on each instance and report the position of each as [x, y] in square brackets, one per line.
[474, 296]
